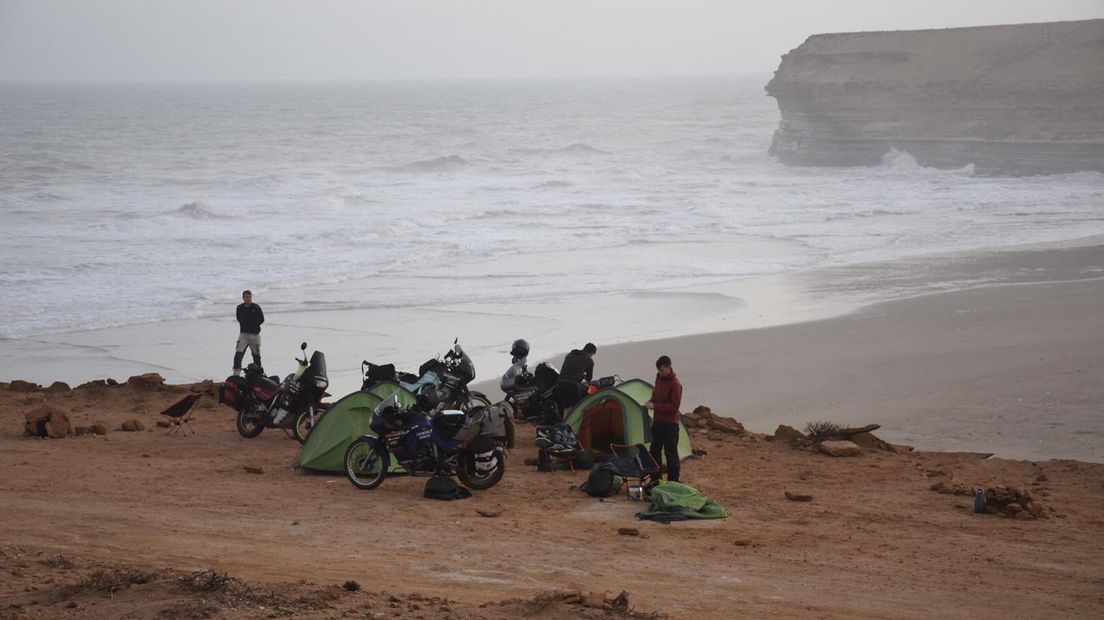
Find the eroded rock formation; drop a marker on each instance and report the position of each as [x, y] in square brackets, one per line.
[1011, 100]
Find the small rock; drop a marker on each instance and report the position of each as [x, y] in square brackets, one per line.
[1023, 515]
[47, 421]
[20, 385]
[867, 440]
[133, 425]
[840, 448]
[742, 542]
[490, 514]
[1042, 478]
[98, 429]
[253, 469]
[699, 452]
[163, 423]
[847, 432]
[111, 382]
[147, 381]
[786, 433]
[628, 531]
[351, 586]
[82, 430]
[798, 497]
[58, 386]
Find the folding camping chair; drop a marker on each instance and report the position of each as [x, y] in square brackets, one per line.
[180, 413]
[634, 461]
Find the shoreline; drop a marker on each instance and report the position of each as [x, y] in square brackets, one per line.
[747, 313]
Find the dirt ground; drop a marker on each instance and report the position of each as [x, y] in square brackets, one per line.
[146, 525]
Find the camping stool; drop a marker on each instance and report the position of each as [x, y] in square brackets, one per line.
[633, 461]
[180, 413]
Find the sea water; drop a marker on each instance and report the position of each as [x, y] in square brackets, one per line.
[137, 204]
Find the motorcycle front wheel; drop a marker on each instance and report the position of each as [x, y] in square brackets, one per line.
[249, 422]
[303, 426]
[365, 466]
[481, 480]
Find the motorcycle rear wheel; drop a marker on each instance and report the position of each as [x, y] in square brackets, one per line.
[475, 400]
[249, 422]
[480, 481]
[365, 466]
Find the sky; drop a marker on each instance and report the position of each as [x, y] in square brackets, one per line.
[204, 40]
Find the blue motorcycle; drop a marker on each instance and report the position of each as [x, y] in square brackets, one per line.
[470, 445]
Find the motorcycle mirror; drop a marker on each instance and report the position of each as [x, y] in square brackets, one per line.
[303, 346]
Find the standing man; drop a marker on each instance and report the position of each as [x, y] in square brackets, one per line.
[578, 366]
[666, 398]
[250, 318]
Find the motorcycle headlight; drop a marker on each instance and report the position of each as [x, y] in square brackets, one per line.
[321, 383]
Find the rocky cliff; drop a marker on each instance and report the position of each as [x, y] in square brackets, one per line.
[1012, 100]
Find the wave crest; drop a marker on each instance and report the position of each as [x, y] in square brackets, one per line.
[437, 164]
[199, 211]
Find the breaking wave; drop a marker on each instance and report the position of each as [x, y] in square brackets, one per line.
[437, 164]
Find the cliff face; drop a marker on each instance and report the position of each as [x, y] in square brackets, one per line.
[1012, 100]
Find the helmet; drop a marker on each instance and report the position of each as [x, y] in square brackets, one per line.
[520, 348]
[427, 398]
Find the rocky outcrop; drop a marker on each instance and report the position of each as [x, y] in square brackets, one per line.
[47, 421]
[1011, 100]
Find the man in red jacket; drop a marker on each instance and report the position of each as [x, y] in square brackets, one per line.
[666, 398]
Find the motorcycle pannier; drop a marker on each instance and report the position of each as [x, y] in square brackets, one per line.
[232, 392]
[449, 422]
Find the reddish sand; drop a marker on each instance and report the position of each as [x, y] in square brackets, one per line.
[132, 524]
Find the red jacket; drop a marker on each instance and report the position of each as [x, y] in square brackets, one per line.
[666, 398]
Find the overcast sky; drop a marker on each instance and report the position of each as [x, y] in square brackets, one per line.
[365, 39]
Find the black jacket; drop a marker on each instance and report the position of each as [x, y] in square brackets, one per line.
[250, 318]
[577, 367]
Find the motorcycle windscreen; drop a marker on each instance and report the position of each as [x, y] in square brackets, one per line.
[464, 367]
[316, 368]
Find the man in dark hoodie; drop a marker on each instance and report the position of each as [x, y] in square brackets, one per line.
[578, 366]
[250, 318]
[666, 398]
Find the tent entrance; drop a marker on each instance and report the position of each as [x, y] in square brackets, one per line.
[602, 425]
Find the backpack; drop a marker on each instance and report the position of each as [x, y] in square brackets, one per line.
[444, 487]
[559, 440]
[602, 482]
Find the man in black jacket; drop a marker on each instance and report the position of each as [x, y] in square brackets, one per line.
[250, 318]
[578, 366]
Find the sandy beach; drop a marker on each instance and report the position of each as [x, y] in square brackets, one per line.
[155, 526]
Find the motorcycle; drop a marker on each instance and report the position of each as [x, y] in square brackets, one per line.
[537, 397]
[293, 404]
[470, 445]
[533, 395]
[448, 376]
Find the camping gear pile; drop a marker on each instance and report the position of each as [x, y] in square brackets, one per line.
[429, 424]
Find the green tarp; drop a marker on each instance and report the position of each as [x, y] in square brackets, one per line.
[346, 420]
[617, 415]
[675, 501]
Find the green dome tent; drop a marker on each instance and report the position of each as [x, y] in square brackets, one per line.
[346, 420]
[617, 415]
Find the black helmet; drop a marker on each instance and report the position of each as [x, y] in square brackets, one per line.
[427, 398]
[520, 348]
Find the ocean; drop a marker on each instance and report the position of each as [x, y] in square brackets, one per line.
[137, 204]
